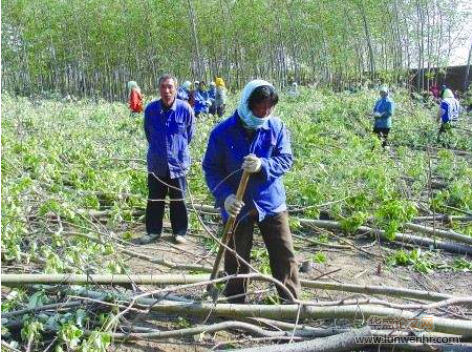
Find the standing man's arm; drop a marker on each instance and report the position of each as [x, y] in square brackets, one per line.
[190, 125]
[389, 110]
[374, 110]
[147, 120]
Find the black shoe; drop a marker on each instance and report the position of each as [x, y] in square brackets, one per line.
[149, 238]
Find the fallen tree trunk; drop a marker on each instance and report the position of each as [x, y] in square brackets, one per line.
[292, 311]
[237, 311]
[309, 331]
[242, 311]
[100, 279]
[348, 341]
[398, 237]
[236, 325]
[451, 235]
[444, 217]
[378, 290]
[182, 279]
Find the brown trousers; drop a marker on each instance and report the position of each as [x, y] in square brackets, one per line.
[278, 240]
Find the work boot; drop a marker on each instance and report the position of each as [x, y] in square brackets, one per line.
[150, 237]
[180, 239]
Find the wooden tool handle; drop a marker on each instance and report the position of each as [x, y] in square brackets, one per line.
[228, 231]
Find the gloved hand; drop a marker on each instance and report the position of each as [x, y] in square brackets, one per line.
[232, 205]
[377, 114]
[252, 163]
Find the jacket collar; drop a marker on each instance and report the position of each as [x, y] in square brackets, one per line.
[173, 106]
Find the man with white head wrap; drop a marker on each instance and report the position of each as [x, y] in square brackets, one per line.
[257, 142]
[383, 111]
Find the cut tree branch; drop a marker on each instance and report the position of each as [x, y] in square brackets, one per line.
[398, 237]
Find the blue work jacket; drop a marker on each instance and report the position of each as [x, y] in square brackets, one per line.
[202, 101]
[385, 107]
[229, 143]
[169, 133]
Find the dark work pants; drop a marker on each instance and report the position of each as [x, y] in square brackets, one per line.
[382, 133]
[446, 128]
[220, 110]
[212, 109]
[158, 190]
[278, 240]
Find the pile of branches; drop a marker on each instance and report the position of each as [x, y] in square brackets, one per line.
[296, 321]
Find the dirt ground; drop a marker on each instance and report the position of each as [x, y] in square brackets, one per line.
[342, 265]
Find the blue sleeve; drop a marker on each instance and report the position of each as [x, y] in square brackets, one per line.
[388, 109]
[191, 125]
[281, 160]
[444, 106]
[146, 124]
[445, 117]
[214, 169]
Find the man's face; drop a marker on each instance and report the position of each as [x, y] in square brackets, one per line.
[383, 94]
[263, 109]
[167, 91]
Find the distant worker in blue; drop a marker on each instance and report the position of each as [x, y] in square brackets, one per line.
[448, 113]
[383, 111]
[202, 101]
[212, 98]
[254, 140]
[183, 93]
[169, 125]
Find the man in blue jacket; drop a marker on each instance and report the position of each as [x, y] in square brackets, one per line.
[202, 101]
[169, 125]
[383, 111]
[255, 141]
